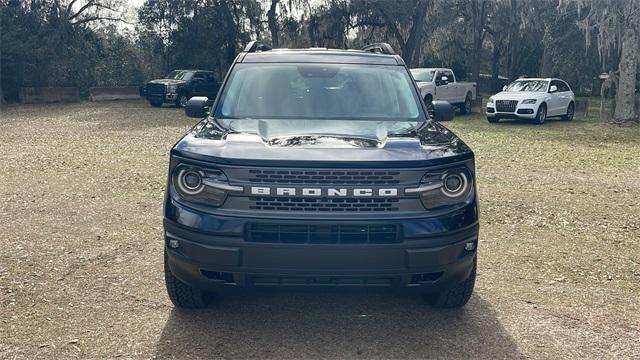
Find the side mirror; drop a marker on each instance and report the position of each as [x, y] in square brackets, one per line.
[442, 111]
[197, 107]
[553, 89]
[504, 88]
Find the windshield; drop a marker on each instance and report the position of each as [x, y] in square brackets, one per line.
[528, 85]
[424, 75]
[179, 75]
[319, 92]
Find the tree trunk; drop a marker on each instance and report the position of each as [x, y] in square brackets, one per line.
[272, 20]
[478, 19]
[546, 65]
[412, 43]
[625, 96]
[511, 40]
[415, 35]
[495, 69]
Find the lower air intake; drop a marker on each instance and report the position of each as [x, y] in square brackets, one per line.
[323, 234]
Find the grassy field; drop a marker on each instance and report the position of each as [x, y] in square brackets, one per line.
[81, 251]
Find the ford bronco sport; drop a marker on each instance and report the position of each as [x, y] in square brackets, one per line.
[320, 168]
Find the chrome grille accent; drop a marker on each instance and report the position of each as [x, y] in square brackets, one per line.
[324, 204]
[506, 105]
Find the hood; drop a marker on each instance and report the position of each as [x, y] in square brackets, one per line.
[167, 82]
[518, 95]
[433, 144]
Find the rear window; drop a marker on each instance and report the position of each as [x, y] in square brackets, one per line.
[319, 91]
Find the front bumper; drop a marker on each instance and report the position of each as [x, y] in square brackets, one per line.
[522, 111]
[224, 260]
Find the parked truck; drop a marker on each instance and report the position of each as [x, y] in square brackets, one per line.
[441, 84]
[179, 86]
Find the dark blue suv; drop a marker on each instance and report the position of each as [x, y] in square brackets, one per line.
[320, 167]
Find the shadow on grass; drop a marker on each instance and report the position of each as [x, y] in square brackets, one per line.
[334, 324]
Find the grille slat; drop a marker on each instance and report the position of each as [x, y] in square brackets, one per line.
[324, 204]
[333, 177]
[155, 91]
[323, 234]
[506, 105]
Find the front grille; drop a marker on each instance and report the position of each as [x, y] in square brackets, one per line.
[155, 91]
[323, 234]
[506, 105]
[324, 177]
[324, 204]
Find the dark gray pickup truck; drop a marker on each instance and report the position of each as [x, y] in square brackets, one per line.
[179, 86]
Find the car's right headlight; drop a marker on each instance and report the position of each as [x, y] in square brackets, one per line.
[202, 185]
[490, 101]
[445, 188]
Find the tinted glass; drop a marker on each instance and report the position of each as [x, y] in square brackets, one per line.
[449, 76]
[425, 75]
[528, 85]
[319, 91]
[179, 75]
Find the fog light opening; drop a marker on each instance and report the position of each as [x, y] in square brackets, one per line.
[174, 244]
[470, 246]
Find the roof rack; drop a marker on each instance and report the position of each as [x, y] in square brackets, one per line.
[255, 46]
[379, 48]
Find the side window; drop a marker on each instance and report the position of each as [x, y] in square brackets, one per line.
[439, 76]
[198, 77]
[555, 83]
[563, 86]
[449, 75]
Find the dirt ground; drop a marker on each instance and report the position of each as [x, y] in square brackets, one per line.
[81, 251]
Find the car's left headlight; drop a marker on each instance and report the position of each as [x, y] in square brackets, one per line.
[529, 101]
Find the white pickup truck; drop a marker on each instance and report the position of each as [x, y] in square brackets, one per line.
[441, 84]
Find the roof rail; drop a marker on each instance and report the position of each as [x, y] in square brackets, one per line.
[379, 48]
[255, 45]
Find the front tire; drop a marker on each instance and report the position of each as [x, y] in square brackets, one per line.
[571, 110]
[181, 294]
[541, 116]
[466, 107]
[493, 119]
[457, 296]
[156, 103]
